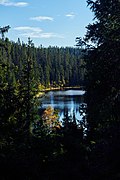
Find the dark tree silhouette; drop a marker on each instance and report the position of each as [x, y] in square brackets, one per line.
[3, 30]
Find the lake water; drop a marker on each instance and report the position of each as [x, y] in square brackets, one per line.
[64, 101]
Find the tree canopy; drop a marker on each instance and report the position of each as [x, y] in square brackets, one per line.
[103, 67]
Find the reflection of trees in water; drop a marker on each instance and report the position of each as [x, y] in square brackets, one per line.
[70, 121]
[70, 118]
[67, 118]
[83, 113]
[71, 128]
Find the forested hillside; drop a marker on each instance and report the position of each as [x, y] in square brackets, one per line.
[52, 66]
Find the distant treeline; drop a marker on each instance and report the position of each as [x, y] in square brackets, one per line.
[51, 66]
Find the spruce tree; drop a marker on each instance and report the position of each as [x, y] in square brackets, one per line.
[103, 67]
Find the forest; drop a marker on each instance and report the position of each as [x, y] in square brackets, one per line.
[35, 146]
[52, 66]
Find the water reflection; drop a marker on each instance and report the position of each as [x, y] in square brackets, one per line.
[65, 101]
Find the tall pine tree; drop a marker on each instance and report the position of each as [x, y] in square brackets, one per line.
[103, 67]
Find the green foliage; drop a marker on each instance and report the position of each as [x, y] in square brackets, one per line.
[53, 66]
[103, 67]
[17, 91]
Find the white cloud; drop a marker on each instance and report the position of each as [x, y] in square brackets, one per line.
[42, 18]
[51, 35]
[70, 15]
[35, 32]
[10, 3]
[28, 28]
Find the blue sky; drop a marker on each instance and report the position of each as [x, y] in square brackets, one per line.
[46, 22]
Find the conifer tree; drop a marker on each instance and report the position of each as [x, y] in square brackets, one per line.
[103, 66]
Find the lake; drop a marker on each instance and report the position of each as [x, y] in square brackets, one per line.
[64, 101]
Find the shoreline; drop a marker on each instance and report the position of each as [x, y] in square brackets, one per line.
[42, 92]
[63, 88]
